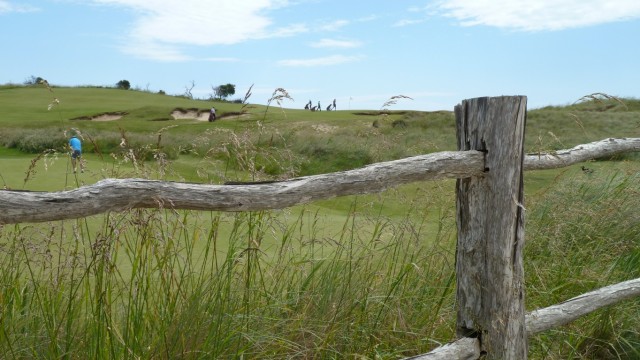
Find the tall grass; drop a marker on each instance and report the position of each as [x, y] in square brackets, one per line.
[584, 233]
[163, 284]
[149, 284]
[375, 282]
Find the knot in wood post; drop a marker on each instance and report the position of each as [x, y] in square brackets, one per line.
[490, 217]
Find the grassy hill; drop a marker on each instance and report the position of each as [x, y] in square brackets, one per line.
[370, 277]
[283, 142]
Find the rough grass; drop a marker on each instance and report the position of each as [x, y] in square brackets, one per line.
[583, 234]
[154, 283]
[376, 281]
[313, 142]
[363, 277]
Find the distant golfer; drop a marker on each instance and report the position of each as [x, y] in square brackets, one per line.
[212, 114]
[76, 153]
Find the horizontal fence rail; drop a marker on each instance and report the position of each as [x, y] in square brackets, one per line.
[598, 149]
[123, 194]
[544, 319]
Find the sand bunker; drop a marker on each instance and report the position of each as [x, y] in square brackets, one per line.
[176, 114]
[109, 116]
[106, 117]
[203, 115]
[193, 114]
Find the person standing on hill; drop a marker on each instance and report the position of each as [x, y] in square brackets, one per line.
[76, 153]
[212, 115]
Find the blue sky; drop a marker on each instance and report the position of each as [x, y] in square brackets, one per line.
[359, 52]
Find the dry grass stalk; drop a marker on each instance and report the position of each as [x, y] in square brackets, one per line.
[278, 96]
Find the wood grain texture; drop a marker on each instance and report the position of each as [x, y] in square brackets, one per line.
[544, 319]
[490, 218]
[580, 153]
[557, 315]
[124, 194]
[462, 349]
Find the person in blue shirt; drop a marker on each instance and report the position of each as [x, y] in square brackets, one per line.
[76, 153]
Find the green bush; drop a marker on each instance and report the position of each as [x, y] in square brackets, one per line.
[37, 141]
[324, 156]
[123, 84]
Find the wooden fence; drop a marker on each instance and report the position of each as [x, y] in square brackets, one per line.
[489, 165]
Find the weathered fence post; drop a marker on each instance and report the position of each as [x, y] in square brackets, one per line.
[490, 289]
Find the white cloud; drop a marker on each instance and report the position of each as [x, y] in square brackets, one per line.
[7, 7]
[154, 50]
[528, 15]
[332, 43]
[334, 26]
[286, 31]
[407, 22]
[162, 25]
[222, 59]
[368, 18]
[323, 61]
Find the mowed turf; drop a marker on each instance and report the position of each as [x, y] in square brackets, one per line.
[369, 276]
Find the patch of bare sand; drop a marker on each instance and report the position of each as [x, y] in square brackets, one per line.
[106, 117]
[191, 114]
[203, 115]
[110, 116]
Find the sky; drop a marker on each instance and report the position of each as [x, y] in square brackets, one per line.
[433, 53]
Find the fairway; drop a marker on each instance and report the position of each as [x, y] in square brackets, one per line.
[368, 274]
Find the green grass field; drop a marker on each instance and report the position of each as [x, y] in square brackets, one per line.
[367, 277]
